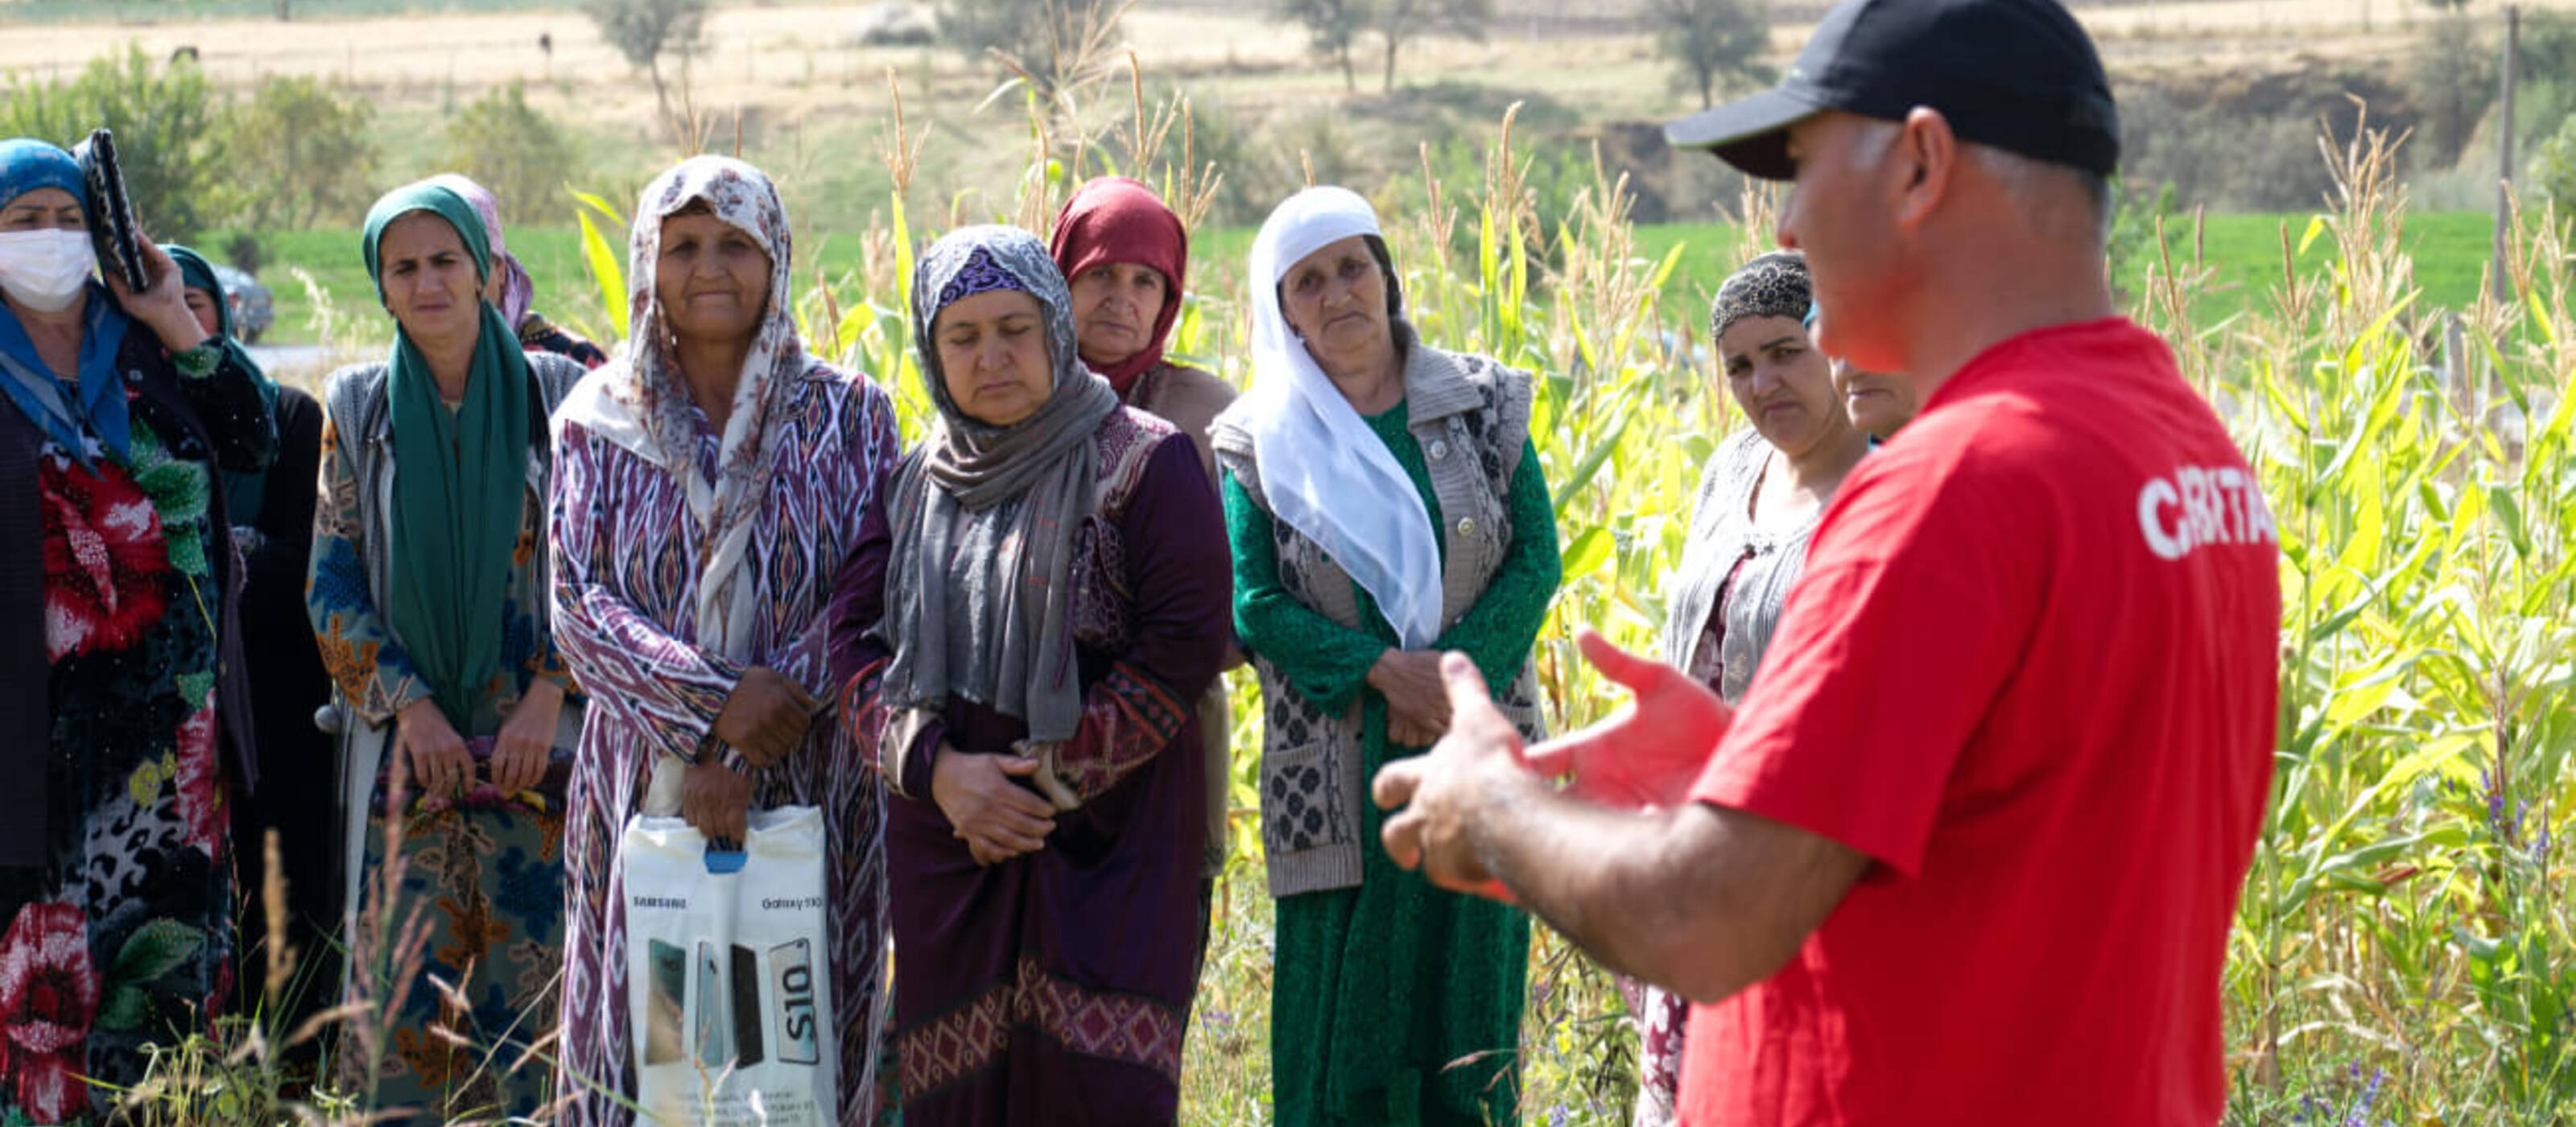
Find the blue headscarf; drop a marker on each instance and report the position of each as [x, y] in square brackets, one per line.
[26, 166]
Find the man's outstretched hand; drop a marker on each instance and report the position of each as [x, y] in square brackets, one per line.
[1646, 754]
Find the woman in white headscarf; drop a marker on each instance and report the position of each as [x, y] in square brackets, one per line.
[716, 512]
[1385, 505]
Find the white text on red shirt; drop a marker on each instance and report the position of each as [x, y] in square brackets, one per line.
[2198, 506]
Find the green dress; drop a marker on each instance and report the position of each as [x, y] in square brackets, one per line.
[1381, 989]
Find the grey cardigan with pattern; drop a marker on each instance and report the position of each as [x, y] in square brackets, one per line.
[355, 401]
[1722, 536]
[1311, 760]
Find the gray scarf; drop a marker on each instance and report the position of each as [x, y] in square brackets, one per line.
[985, 517]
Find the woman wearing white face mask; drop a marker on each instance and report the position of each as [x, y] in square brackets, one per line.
[123, 714]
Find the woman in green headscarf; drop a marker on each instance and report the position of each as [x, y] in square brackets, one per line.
[428, 599]
[271, 513]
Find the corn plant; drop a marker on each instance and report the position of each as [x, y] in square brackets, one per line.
[2406, 915]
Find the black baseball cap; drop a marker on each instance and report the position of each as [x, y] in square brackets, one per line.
[2018, 75]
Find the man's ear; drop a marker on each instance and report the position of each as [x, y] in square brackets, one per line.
[1927, 156]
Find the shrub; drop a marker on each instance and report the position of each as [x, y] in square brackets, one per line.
[245, 253]
[2452, 80]
[304, 155]
[506, 145]
[172, 134]
[2255, 150]
[2545, 76]
[2553, 171]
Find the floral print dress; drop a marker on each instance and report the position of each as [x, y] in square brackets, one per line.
[484, 871]
[125, 938]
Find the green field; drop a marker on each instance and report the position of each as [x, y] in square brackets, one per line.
[2450, 251]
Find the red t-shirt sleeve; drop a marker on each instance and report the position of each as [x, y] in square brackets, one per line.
[1916, 603]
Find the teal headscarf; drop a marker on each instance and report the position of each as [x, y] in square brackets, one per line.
[458, 480]
[242, 491]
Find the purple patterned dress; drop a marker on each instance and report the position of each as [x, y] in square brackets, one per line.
[684, 557]
[626, 584]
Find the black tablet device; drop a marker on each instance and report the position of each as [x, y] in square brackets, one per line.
[111, 228]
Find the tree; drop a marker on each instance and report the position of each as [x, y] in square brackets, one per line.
[1050, 41]
[171, 130]
[507, 146]
[1399, 20]
[1712, 40]
[303, 154]
[645, 30]
[1332, 27]
[2553, 172]
[2545, 73]
[2452, 81]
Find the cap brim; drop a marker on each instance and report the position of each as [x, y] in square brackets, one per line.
[1750, 133]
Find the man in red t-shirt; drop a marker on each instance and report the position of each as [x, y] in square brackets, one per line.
[1972, 849]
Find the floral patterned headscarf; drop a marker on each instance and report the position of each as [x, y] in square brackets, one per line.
[640, 402]
[984, 517]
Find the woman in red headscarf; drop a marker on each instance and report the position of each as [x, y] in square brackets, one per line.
[1124, 253]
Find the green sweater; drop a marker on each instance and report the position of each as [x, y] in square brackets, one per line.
[1328, 662]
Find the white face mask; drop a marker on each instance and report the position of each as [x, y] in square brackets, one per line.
[45, 270]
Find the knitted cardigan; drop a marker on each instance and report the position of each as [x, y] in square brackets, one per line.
[1471, 416]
